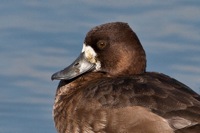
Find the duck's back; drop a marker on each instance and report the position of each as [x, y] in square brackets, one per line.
[145, 103]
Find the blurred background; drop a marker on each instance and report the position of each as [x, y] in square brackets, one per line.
[40, 37]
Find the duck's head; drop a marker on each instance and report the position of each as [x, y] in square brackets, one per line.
[111, 48]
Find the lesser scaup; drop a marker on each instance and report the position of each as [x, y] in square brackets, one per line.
[107, 90]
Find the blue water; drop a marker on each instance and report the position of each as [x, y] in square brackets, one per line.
[38, 38]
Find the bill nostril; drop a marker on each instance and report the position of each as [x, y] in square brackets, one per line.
[76, 64]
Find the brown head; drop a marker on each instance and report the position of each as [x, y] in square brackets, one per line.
[112, 48]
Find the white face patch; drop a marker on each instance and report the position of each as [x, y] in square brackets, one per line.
[91, 55]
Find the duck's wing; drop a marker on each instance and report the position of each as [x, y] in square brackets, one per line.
[184, 114]
[191, 129]
[163, 96]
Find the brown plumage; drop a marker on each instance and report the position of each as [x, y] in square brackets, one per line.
[107, 90]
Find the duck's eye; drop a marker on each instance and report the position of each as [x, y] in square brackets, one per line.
[101, 44]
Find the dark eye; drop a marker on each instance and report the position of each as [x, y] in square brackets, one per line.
[101, 44]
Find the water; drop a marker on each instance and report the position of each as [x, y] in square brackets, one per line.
[38, 38]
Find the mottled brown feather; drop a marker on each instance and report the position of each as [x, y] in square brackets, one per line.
[91, 106]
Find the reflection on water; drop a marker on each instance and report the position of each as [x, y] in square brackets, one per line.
[38, 38]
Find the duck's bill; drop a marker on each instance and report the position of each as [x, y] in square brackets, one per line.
[79, 66]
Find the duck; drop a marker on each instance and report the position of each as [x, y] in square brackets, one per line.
[108, 90]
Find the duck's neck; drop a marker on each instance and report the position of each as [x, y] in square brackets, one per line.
[66, 89]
